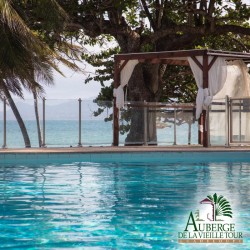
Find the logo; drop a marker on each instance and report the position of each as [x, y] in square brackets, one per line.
[212, 223]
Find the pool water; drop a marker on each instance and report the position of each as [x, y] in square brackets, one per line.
[130, 205]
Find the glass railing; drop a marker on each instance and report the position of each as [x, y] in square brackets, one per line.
[239, 120]
[229, 122]
[79, 122]
[63, 123]
[218, 122]
[158, 124]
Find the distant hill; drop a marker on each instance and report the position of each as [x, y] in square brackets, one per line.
[57, 110]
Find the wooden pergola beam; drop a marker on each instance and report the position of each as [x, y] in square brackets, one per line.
[184, 53]
[197, 62]
[181, 62]
[175, 62]
[161, 55]
[212, 62]
[122, 66]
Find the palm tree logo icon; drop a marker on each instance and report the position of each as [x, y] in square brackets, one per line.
[220, 207]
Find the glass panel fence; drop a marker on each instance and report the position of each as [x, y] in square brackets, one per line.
[240, 117]
[132, 124]
[63, 123]
[14, 137]
[180, 125]
[158, 124]
[97, 123]
[61, 126]
[79, 122]
[217, 123]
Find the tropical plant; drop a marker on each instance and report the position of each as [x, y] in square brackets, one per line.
[26, 60]
[221, 206]
[18, 59]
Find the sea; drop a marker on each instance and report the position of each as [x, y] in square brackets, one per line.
[65, 133]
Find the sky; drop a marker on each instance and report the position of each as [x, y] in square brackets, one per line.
[71, 86]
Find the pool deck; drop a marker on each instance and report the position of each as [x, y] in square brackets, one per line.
[121, 149]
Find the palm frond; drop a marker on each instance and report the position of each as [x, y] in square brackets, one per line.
[10, 18]
[26, 61]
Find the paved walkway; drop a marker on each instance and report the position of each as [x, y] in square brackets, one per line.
[124, 149]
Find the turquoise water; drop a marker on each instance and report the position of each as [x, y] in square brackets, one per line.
[65, 133]
[61, 133]
[112, 205]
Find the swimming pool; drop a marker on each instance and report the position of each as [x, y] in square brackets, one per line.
[116, 201]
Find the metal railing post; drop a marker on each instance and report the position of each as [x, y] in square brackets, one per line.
[4, 123]
[44, 143]
[189, 133]
[80, 123]
[145, 124]
[174, 126]
[208, 125]
[227, 101]
[240, 119]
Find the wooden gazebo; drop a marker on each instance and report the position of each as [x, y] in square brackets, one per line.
[207, 58]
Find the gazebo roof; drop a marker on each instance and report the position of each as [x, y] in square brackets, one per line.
[180, 56]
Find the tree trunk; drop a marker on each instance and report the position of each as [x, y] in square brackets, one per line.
[39, 134]
[144, 85]
[18, 116]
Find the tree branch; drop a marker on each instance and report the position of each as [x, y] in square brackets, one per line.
[219, 29]
[149, 16]
[173, 31]
[244, 46]
[223, 29]
[211, 8]
[160, 13]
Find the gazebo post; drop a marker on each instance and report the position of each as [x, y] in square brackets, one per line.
[204, 113]
[115, 109]
[200, 130]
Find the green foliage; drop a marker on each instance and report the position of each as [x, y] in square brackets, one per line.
[104, 64]
[121, 20]
[125, 120]
[178, 82]
[227, 42]
[104, 101]
[237, 11]
[25, 60]
[179, 85]
[46, 17]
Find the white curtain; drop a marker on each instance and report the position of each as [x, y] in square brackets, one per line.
[237, 85]
[125, 76]
[216, 79]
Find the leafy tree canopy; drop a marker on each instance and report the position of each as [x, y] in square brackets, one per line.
[141, 26]
[157, 25]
